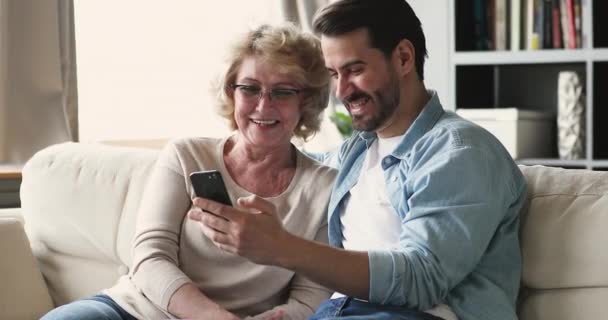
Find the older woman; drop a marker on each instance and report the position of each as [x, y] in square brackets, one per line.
[276, 87]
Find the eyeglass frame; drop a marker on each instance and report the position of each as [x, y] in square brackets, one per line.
[272, 93]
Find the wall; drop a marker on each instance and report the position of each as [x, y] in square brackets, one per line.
[147, 76]
[434, 17]
[144, 67]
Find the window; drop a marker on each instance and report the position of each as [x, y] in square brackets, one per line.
[145, 67]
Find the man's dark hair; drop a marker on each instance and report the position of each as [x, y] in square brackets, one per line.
[387, 21]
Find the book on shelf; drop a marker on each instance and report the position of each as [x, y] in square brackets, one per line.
[529, 25]
[490, 11]
[516, 25]
[519, 24]
[480, 26]
[570, 27]
[556, 25]
[547, 24]
[578, 27]
[500, 25]
[563, 11]
[538, 25]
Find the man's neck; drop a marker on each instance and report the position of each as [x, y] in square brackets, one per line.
[413, 99]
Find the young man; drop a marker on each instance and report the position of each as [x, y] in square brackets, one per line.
[423, 218]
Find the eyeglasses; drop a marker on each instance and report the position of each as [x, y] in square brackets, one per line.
[253, 94]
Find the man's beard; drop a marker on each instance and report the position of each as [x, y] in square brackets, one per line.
[386, 102]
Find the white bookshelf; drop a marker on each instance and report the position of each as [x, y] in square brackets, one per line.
[492, 79]
[599, 54]
[520, 57]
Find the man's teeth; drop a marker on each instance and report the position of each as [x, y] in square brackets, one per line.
[359, 102]
[264, 122]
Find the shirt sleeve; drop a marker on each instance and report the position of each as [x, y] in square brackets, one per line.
[305, 296]
[163, 207]
[451, 208]
[333, 158]
[329, 158]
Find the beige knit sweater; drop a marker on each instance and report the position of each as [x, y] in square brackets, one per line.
[170, 250]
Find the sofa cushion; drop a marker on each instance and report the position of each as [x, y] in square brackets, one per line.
[79, 203]
[564, 232]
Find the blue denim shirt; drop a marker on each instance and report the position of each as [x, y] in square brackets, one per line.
[458, 194]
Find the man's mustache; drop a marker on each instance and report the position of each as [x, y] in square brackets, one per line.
[355, 96]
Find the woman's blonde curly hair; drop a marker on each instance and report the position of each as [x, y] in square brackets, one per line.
[295, 53]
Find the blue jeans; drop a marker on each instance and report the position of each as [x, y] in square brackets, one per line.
[352, 309]
[98, 307]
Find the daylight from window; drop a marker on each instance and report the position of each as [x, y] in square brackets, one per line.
[145, 67]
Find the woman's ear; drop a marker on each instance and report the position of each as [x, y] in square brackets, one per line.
[404, 57]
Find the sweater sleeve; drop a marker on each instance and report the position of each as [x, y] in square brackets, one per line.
[305, 296]
[163, 207]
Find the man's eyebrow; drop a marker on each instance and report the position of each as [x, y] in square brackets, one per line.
[347, 65]
[351, 63]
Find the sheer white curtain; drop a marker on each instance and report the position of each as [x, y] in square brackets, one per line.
[38, 99]
[302, 12]
[3, 79]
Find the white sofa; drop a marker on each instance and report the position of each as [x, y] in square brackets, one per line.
[79, 203]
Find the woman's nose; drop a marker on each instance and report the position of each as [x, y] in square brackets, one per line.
[264, 101]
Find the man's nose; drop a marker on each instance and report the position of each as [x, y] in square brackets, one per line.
[342, 87]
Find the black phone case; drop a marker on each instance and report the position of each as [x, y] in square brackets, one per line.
[210, 185]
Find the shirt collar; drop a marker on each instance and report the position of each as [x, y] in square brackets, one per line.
[427, 118]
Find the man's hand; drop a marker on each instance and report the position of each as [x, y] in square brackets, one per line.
[252, 230]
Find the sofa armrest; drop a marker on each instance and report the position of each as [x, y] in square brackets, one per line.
[23, 293]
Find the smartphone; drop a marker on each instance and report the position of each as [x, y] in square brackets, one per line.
[210, 185]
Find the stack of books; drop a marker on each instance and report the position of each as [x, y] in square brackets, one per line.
[523, 24]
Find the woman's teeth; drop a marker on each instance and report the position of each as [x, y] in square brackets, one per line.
[264, 122]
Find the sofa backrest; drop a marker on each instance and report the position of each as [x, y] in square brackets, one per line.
[79, 203]
[564, 239]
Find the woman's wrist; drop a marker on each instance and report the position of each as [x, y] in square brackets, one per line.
[288, 250]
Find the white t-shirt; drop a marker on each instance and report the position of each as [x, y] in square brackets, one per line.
[369, 222]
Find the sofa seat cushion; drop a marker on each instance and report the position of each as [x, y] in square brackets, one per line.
[566, 304]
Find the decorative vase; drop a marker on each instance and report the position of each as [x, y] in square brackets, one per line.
[570, 116]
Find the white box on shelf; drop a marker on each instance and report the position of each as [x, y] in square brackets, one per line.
[524, 133]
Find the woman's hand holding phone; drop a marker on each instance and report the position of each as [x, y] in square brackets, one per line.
[252, 229]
